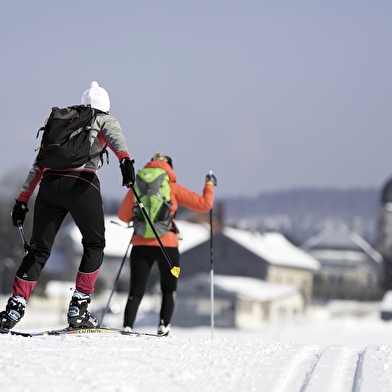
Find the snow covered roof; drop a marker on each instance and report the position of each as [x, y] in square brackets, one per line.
[348, 256]
[273, 247]
[117, 235]
[243, 287]
[256, 289]
[192, 234]
[341, 238]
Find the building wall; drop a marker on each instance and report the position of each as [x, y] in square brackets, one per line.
[195, 310]
[251, 313]
[303, 279]
[287, 308]
[229, 258]
[234, 312]
[349, 284]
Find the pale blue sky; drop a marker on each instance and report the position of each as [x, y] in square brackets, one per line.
[270, 95]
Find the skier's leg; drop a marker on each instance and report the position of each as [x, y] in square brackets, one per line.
[141, 263]
[84, 201]
[168, 288]
[48, 216]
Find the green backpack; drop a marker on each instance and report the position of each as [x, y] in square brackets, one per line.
[152, 185]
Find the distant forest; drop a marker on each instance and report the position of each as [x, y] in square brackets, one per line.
[301, 213]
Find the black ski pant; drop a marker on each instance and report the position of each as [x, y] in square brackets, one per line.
[142, 258]
[77, 193]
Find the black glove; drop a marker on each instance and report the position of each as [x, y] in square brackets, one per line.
[128, 172]
[19, 212]
[211, 178]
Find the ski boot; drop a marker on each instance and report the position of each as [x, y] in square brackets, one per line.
[78, 315]
[13, 312]
[163, 330]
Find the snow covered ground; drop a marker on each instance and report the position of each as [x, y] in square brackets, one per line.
[327, 351]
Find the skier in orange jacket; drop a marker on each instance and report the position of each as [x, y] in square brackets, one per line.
[147, 250]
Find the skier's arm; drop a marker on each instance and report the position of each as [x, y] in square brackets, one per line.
[32, 180]
[112, 135]
[193, 200]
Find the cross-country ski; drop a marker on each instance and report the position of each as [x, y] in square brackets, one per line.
[76, 331]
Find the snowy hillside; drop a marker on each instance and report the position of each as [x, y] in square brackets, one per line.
[321, 353]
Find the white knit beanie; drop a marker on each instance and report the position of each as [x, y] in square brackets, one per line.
[97, 97]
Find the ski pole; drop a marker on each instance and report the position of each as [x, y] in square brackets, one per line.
[174, 270]
[28, 248]
[212, 274]
[115, 285]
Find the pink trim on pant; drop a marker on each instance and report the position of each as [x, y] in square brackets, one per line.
[23, 288]
[85, 281]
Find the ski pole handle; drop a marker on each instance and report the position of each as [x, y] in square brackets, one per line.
[21, 232]
[28, 248]
[211, 178]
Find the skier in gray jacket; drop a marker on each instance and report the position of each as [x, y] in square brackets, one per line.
[74, 191]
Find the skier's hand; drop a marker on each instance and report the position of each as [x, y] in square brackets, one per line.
[128, 172]
[211, 178]
[19, 212]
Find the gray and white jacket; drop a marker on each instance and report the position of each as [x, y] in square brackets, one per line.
[106, 131]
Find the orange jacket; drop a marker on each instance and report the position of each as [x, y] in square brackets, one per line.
[179, 196]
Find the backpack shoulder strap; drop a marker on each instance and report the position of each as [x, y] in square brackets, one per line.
[104, 150]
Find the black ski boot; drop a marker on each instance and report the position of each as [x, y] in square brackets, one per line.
[78, 315]
[13, 312]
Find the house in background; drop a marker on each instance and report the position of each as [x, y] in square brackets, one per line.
[269, 257]
[350, 268]
[239, 302]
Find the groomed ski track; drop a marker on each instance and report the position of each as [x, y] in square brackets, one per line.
[178, 364]
[335, 369]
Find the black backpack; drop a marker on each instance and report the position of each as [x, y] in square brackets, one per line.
[66, 138]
